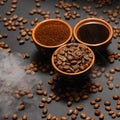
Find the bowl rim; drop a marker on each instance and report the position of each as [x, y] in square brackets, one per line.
[49, 20]
[97, 20]
[72, 74]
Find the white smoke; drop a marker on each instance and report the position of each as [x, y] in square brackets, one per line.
[13, 77]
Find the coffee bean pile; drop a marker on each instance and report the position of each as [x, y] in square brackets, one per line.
[73, 58]
[89, 11]
[116, 31]
[113, 15]
[69, 13]
[12, 8]
[113, 56]
[97, 71]
[45, 14]
[5, 46]
[36, 66]
[110, 79]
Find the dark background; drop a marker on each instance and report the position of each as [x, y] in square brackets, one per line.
[58, 108]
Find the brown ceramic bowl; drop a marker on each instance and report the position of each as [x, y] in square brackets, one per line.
[93, 32]
[73, 60]
[50, 34]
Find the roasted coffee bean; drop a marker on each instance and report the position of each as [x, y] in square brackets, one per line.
[118, 102]
[100, 88]
[58, 98]
[116, 97]
[92, 102]
[73, 117]
[111, 78]
[6, 116]
[57, 11]
[64, 118]
[21, 107]
[98, 99]
[97, 112]
[43, 116]
[112, 71]
[113, 115]
[117, 107]
[75, 111]
[24, 117]
[53, 117]
[30, 95]
[49, 116]
[49, 100]
[107, 75]
[107, 103]
[83, 115]
[111, 112]
[117, 69]
[14, 117]
[39, 92]
[79, 107]
[110, 86]
[99, 74]
[45, 110]
[69, 103]
[41, 104]
[118, 114]
[107, 108]
[96, 106]
[101, 116]
[70, 111]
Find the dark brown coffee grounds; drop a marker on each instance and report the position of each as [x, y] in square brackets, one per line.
[52, 33]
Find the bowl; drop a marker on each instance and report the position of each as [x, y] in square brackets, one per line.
[50, 34]
[73, 60]
[93, 32]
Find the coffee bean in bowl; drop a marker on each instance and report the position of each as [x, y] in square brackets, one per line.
[72, 60]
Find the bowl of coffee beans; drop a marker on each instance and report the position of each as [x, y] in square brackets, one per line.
[93, 32]
[72, 60]
[50, 34]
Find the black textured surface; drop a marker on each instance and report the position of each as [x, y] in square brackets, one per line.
[59, 108]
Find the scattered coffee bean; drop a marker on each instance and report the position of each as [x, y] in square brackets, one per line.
[116, 97]
[41, 104]
[118, 114]
[97, 112]
[14, 117]
[98, 99]
[45, 110]
[107, 108]
[96, 106]
[64, 118]
[6, 116]
[70, 111]
[24, 117]
[101, 116]
[107, 103]
[79, 107]
[83, 115]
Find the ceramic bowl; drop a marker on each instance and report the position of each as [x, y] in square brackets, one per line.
[93, 32]
[50, 34]
[73, 60]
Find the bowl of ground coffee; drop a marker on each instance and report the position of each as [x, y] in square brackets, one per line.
[50, 34]
[72, 60]
[93, 32]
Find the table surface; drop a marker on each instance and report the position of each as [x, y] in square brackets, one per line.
[17, 79]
